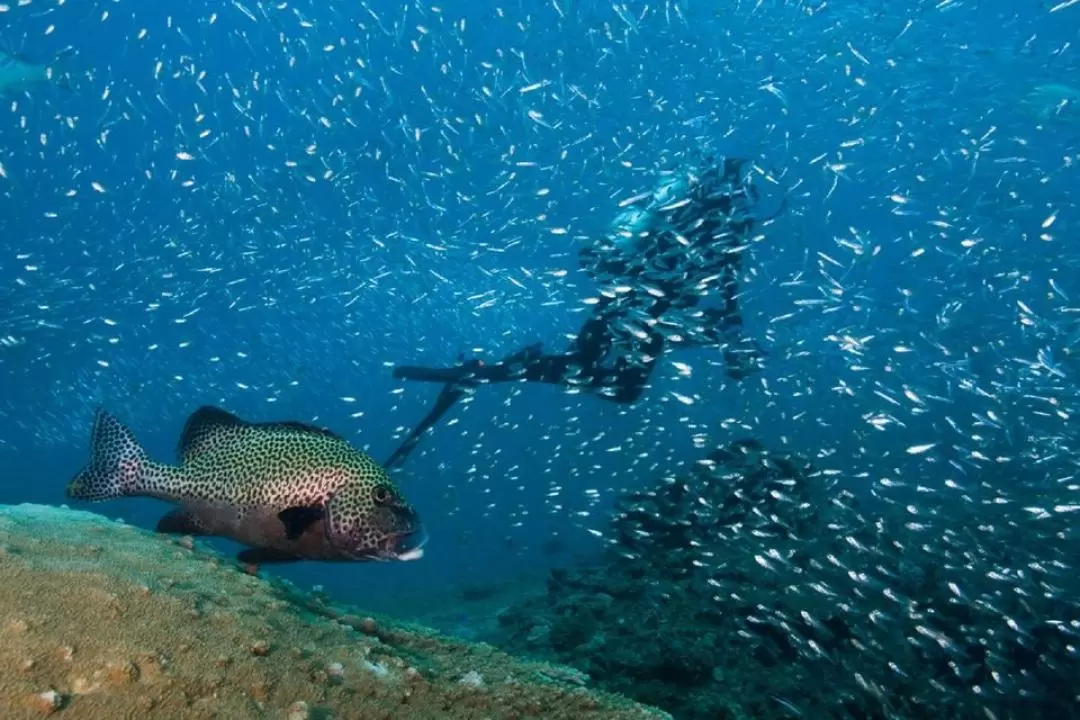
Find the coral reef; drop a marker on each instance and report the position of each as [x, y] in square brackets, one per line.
[756, 587]
[99, 620]
[646, 622]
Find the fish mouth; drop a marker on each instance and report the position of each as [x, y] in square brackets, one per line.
[399, 547]
[406, 546]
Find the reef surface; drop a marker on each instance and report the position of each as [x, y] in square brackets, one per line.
[101, 620]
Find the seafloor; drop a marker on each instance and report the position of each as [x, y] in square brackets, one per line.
[104, 621]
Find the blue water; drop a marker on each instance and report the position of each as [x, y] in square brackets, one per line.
[234, 279]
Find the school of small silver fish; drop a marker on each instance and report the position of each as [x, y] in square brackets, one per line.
[273, 202]
[943, 608]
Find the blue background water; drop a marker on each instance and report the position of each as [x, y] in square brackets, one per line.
[276, 295]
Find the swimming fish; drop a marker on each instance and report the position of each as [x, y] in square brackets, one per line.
[17, 73]
[1053, 102]
[288, 490]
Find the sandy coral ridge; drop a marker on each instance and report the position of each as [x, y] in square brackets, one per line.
[99, 620]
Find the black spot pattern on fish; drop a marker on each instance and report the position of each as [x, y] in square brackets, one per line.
[253, 468]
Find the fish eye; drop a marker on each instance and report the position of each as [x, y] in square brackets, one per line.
[382, 495]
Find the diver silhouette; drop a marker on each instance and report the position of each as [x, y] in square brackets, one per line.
[663, 254]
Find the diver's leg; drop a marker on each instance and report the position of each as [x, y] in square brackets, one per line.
[527, 365]
[474, 371]
[580, 367]
[622, 383]
[458, 373]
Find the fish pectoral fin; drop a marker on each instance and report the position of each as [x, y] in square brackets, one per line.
[298, 519]
[262, 556]
[182, 522]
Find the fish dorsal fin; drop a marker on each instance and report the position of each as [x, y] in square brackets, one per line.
[208, 422]
[201, 428]
[300, 428]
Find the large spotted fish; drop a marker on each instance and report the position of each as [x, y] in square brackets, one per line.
[287, 490]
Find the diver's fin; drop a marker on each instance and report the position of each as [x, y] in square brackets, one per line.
[262, 556]
[426, 374]
[298, 519]
[524, 355]
[447, 398]
[182, 522]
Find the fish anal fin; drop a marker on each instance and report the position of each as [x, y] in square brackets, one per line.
[263, 556]
[182, 522]
[298, 519]
[200, 428]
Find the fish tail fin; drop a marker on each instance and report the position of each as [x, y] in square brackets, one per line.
[118, 465]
